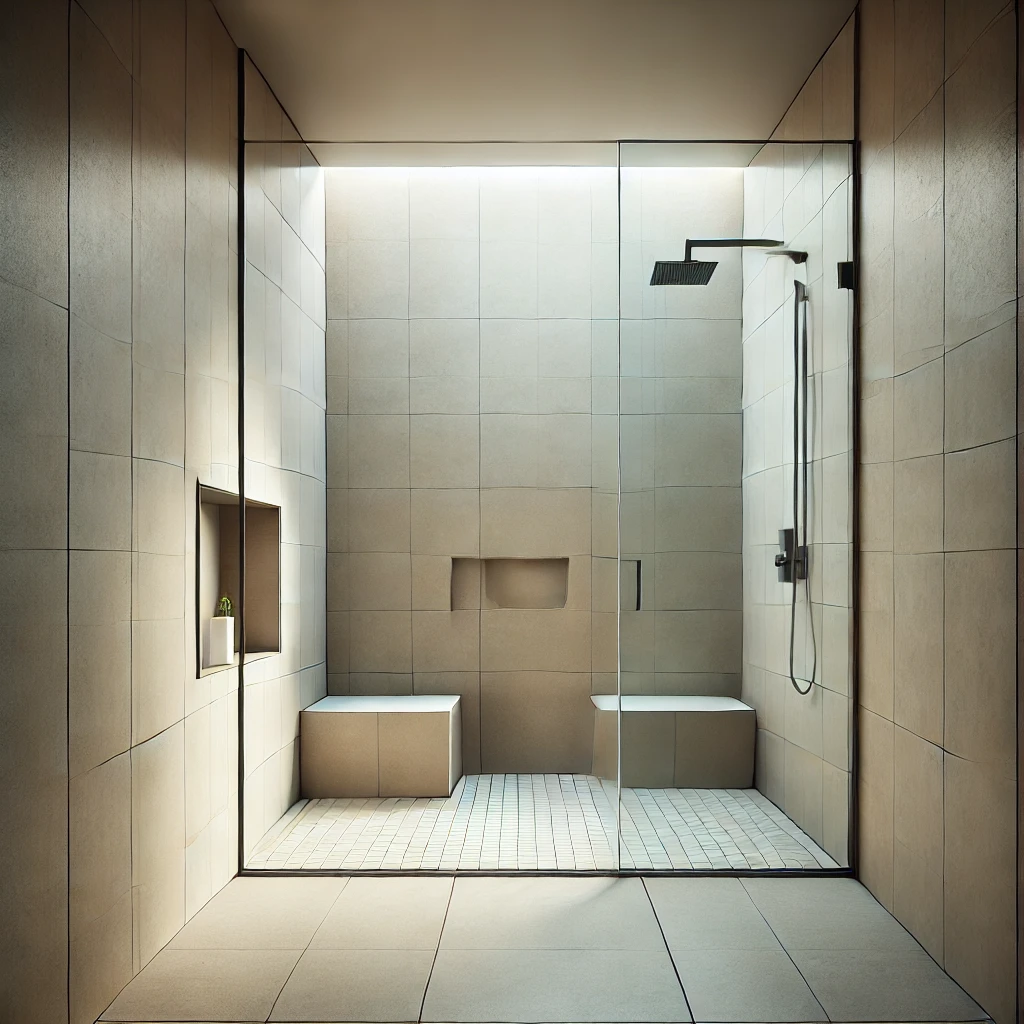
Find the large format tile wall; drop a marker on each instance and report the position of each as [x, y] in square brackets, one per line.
[802, 195]
[285, 440]
[938, 419]
[119, 279]
[153, 410]
[680, 436]
[471, 406]
[33, 510]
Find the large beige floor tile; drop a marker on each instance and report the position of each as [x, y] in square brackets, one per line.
[261, 913]
[708, 914]
[879, 985]
[730, 985]
[386, 913]
[356, 985]
[205, 984]
[551, 985]
[550, 913]
[827, 913]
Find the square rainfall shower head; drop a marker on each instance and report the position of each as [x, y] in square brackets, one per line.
[683, 271]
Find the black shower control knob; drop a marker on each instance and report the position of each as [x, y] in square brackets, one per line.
[781, 560]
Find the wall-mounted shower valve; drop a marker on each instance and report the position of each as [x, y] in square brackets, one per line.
[791, 561]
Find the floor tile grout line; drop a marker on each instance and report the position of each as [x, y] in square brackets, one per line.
[309, 944]
[671, 958]
[437, 949]
[768, 924]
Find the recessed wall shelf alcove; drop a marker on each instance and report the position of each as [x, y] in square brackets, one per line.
[217, 573]
[509, 582]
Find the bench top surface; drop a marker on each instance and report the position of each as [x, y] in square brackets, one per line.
[415, 703]
[658, 702]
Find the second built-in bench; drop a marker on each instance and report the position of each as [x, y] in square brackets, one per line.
[407, 745]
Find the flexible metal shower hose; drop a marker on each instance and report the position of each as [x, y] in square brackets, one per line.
[800, 378]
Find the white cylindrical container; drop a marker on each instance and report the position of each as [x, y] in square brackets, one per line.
[221, 647]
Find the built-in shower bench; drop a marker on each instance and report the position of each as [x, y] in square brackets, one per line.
[676, 741]
[406, 745]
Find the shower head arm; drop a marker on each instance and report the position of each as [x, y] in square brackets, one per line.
[727, 243]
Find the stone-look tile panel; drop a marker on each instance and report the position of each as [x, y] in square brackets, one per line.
[33, 507]
[937, 85]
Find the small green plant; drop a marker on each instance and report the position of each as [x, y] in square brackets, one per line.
[224, 606]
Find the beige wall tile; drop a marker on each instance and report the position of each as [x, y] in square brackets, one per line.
[100, 502]
[431, 583]
[379, 581]
[446, 641]
[918, 411]
[697, 641]
[917, 800]
[919, 72]
[515, 639]
[536, 722]
[918, 660]
[444, 451]
[100, 364]
[980, 395]
[99, 657]
[803, 793]
[158, 840]
[158, 414]
[378, 520]
[835, 811]
[378, 451]
[876, 422]
[36, 82]
[533, 523]
[101, 865]
[444, 348]
[158, 670]
[380, 641]
[377, 684]
[876, 511]
[980, 492]
[979, 200]
[158, 519]
[917, 505]
[445, 522]
[980, 657]
[876, 806]
[690, 580]
[876, 633]
[918, 898]
[508, 451]
[978, 878]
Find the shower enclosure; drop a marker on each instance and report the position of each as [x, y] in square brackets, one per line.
[507, 480]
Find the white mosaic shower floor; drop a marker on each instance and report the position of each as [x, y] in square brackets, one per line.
[539, 823]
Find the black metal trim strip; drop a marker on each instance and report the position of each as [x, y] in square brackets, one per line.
[853, 834]
[530, 873]
[240, 328]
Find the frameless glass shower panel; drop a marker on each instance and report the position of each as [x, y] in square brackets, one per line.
[283, 553]
[798, 474]
[722, 763]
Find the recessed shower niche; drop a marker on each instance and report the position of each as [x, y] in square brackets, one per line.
[218, 528]
[509, 583]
